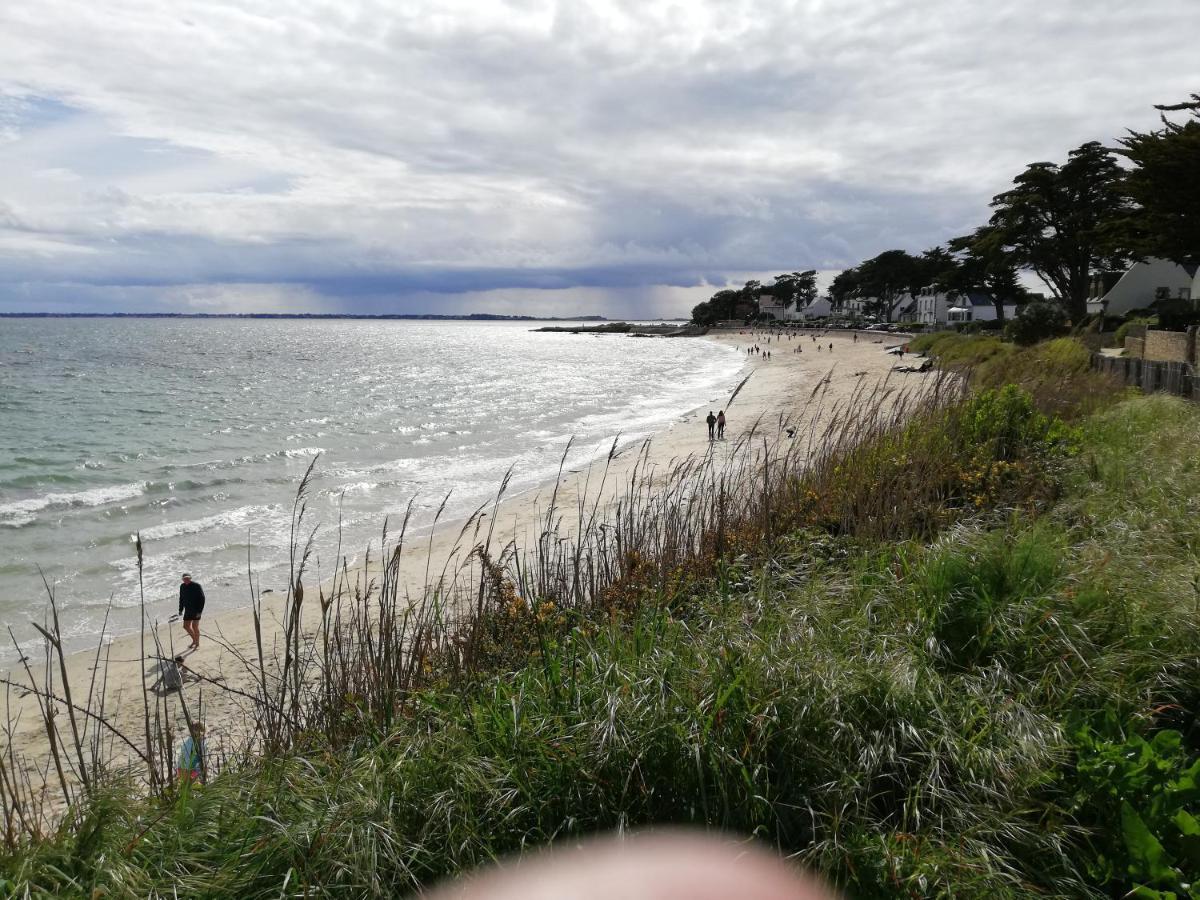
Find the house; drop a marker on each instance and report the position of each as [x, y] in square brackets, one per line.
[907, 310]
[977, 307]
[767, 305]
[818, 309]
[940, 308]
[932, 305]
[1140, 286]
[851, 307]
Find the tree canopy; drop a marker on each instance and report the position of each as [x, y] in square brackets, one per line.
[979, 262]
[1164, 183]
[794, 288]
[1063, 222]
[884, 281]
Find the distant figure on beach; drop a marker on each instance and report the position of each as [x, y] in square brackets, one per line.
[721, 425]
[191, 754]
[831, 346]
[856, 337]
[712, 422]
[191, 606]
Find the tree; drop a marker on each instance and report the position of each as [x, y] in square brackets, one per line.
[980, 262]
[1164, 183]
[727, 304]
[844, 287]
[794, 288]
[887, 279]
[1063, 222]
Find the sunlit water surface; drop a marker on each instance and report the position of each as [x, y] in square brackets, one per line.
[195, 433]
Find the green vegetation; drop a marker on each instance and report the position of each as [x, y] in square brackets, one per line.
[1123, 329]
[959, 658]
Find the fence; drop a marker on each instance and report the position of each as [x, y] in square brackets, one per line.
[1152, 376]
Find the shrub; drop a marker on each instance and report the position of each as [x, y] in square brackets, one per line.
[994, 447]
[1036, 322]
[1057, 374]
[1141, 797]
[1123, 329]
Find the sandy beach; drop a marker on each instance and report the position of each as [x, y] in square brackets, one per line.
[782, 386]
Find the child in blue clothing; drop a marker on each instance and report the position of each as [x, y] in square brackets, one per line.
[191, 754]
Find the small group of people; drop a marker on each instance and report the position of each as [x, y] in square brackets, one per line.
[716, 426]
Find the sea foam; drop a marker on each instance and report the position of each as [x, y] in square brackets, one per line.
[23, 512]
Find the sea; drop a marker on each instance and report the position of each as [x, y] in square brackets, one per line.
[195, 434]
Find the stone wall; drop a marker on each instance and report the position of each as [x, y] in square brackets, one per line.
[1135, 347]
[1167, 346]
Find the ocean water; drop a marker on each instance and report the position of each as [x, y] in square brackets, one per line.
[195, 433]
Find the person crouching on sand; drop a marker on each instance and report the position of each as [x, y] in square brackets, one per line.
[191, 606]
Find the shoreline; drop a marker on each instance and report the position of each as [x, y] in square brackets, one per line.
[779, 389]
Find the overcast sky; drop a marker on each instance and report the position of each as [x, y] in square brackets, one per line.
[625, 157]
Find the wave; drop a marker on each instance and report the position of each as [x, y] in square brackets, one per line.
[239, 518]
[22, 511]
[27, 481]
[214, 464]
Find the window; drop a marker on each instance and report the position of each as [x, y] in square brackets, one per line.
[1162, 293]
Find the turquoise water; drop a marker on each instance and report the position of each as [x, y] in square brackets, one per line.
[195, 433]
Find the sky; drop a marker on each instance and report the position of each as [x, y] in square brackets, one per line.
[619, 157]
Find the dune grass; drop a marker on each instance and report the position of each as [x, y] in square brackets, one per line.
[928, 697]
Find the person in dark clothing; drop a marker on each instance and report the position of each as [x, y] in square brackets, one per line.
[712, 421]
[191, 606]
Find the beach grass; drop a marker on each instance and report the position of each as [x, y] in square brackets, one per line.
[915, 652]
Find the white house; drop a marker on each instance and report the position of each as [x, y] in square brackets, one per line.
[932, 305]
[977, 308]
[938, 308]
[769, 306]
[818, 309]
[851, 306]
[1117, 294]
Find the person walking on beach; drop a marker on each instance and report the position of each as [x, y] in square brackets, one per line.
[712, 421]
[721, 425]
[191, 606]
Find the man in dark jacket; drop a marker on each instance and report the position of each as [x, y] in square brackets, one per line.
[191, 605]
[712, 423]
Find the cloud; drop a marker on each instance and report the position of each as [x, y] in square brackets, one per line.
[444, 151]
